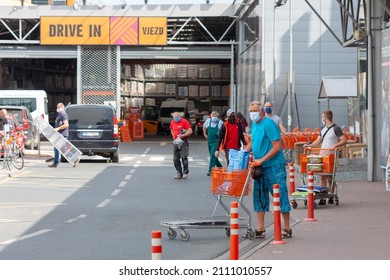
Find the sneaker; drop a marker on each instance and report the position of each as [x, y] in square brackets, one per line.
[322, 202]
[52, 165]
[330, 201]
[185, 176]
[209, 174]
[259, 233]
[178, 176]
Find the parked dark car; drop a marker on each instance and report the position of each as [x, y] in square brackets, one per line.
[93, 129]
[25, 119]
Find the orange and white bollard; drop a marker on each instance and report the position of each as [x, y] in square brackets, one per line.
[291, 175]
[234, 230]
[277, 221]
[156, 245]
[310, 198]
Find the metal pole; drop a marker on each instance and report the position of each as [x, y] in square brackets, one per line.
[274, 59]
[79, 75]
[289, 120]
[232, 82]
[118, 81]
[370, 126]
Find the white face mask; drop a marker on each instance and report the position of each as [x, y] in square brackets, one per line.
[59, 110]
[255, 117]
[323, 122]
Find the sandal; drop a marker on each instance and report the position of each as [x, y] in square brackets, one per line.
[287, 233]
[259, 233]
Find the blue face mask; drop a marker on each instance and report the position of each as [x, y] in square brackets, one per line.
[268, 110]
[255, 117]
[176, 119]
[214, 119]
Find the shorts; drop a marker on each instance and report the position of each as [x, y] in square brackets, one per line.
[261, 188]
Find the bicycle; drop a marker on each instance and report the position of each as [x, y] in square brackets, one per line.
[12, 155]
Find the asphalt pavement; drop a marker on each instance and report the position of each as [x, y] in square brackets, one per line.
[357, 229]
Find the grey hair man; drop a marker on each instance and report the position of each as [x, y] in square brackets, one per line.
[267, 153]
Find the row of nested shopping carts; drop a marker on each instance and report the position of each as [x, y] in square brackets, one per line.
[290, 139]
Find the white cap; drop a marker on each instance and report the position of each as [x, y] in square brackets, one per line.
[229, 112]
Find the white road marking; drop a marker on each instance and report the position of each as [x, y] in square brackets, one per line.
[122, 184]
[25, 237]
[116, 192]
[143, 155]
[132, 171]
[126, 158]
[82, 216]
[104, 203]
[8, 221]
[128, 177]
[156, 158]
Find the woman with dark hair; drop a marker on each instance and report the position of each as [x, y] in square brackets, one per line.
[241, 119]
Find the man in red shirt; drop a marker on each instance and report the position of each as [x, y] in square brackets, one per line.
[230, 135]
[180, 130]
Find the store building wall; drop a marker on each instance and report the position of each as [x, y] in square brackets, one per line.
[315, 53]
[249, 59]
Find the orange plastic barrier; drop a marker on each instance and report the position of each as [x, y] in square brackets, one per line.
[125, 134]
[136, 128]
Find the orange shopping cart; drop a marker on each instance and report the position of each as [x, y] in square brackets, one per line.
[234, 185]
[323, 162]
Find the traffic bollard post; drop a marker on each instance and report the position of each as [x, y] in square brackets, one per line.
[156, 245]
[234, 231]
[277, 220]
[310, 198]
[291, 175]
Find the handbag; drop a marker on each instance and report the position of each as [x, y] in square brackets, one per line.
[256, 172]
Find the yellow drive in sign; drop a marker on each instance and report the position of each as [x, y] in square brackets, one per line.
[152, 30]
[75, 31]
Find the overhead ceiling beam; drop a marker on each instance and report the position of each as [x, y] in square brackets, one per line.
[324, 22]
[349, 16]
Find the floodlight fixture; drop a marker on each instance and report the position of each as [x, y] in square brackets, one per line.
[279, 3]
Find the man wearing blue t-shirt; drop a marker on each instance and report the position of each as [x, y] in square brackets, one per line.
[267, 152]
